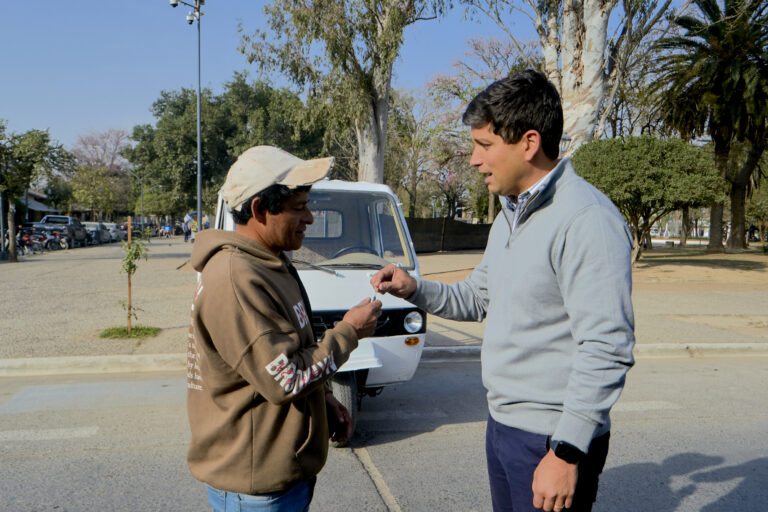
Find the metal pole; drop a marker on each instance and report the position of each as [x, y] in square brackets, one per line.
[199, 150]
[141, 184]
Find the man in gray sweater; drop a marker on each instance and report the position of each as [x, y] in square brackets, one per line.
[554, 286]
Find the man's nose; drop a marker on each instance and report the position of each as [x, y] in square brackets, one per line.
[474, 159]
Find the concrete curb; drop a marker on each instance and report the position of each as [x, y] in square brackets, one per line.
[73, 365]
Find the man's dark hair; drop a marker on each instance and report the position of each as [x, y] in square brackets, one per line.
[272, 200]
[523, 101]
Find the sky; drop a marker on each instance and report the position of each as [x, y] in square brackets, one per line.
[87, 66]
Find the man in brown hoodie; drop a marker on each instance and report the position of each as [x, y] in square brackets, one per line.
[258, 398]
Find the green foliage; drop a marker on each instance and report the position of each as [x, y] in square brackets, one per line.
[647, 177]
[244, 115]
[134, 251]
[138, 331]
[343, 54]
[24, 159]
[715, 71]
[94, 188]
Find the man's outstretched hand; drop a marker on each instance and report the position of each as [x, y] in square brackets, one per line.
[395, 281]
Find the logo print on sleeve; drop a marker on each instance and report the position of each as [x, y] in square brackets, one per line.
[293, 380]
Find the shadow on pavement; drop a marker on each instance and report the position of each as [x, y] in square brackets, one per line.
[434, 398]
[651, 486]
[733, 264]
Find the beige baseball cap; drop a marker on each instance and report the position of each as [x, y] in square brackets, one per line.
[263, 166]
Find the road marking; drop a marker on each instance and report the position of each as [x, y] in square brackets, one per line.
[648, 405]
[48, 435]
[378, 479]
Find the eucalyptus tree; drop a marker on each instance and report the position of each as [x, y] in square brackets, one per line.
[717, 76]
[343, 53]
[648, 178]
[584, 60]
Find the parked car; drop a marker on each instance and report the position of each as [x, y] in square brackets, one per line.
[358, 229]
[97, 233]
[71, 229]
[116, 232]
[138, 228]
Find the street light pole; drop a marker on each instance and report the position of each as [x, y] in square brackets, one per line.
[193, 16]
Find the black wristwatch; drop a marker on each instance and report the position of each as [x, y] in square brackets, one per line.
[567, 452]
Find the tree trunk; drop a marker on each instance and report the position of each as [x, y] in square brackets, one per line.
[685, 227]
[582, 80]
[13, 250]
[371, 131]
[739, 183]
[737, 241]
[722, 150]
[491, 207]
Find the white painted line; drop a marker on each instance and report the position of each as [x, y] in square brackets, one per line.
[641, 406]
[48, 435]
[378, 480]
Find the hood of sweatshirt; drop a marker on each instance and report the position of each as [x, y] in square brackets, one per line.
[211, 241]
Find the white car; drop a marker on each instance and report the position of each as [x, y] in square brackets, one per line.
[115, 232]
[358, 229]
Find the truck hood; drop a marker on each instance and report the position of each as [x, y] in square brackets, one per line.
[346, 289]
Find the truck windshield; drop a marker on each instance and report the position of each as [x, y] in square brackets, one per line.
[354, 229]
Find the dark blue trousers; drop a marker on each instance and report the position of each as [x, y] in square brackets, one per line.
[513, 455]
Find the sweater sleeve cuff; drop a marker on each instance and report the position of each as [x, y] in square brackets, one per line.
[347, 339]
[575, 430]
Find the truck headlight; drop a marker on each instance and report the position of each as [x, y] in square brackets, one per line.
[413, 322]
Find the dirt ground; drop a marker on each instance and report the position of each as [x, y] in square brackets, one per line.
[56, 304]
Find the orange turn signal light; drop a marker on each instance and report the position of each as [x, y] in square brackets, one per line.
[412, 341]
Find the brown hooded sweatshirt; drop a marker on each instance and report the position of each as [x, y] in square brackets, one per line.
[255, 374]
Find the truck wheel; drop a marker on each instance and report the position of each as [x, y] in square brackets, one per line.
[344, 386]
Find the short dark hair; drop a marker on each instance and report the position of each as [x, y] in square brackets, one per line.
[523, 101]
[272, 200]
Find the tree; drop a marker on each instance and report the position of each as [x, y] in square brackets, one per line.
[344, 54]
[94, 188]
[409, 140]
[450, 174]
[757, 211]
[244, 115]
[24, 158]
[717, 73]
[648, 178]
[104, 150]
[580, 57]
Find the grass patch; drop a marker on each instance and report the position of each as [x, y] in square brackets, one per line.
[137, 331]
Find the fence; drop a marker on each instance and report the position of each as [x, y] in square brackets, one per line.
[444, 234]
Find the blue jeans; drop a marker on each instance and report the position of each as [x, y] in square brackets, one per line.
[295, 499]
[513, 455]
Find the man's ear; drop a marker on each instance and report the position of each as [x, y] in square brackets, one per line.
[257, 213]
[532, 144]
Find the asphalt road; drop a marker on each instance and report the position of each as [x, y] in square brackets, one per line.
[688, 435]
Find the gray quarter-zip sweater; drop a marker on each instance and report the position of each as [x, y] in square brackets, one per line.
[556, 295]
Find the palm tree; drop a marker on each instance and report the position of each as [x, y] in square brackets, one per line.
[716, 78]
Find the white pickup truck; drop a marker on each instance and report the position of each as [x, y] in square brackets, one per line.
[358, 229]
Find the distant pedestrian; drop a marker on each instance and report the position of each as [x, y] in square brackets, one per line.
[185, 229]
